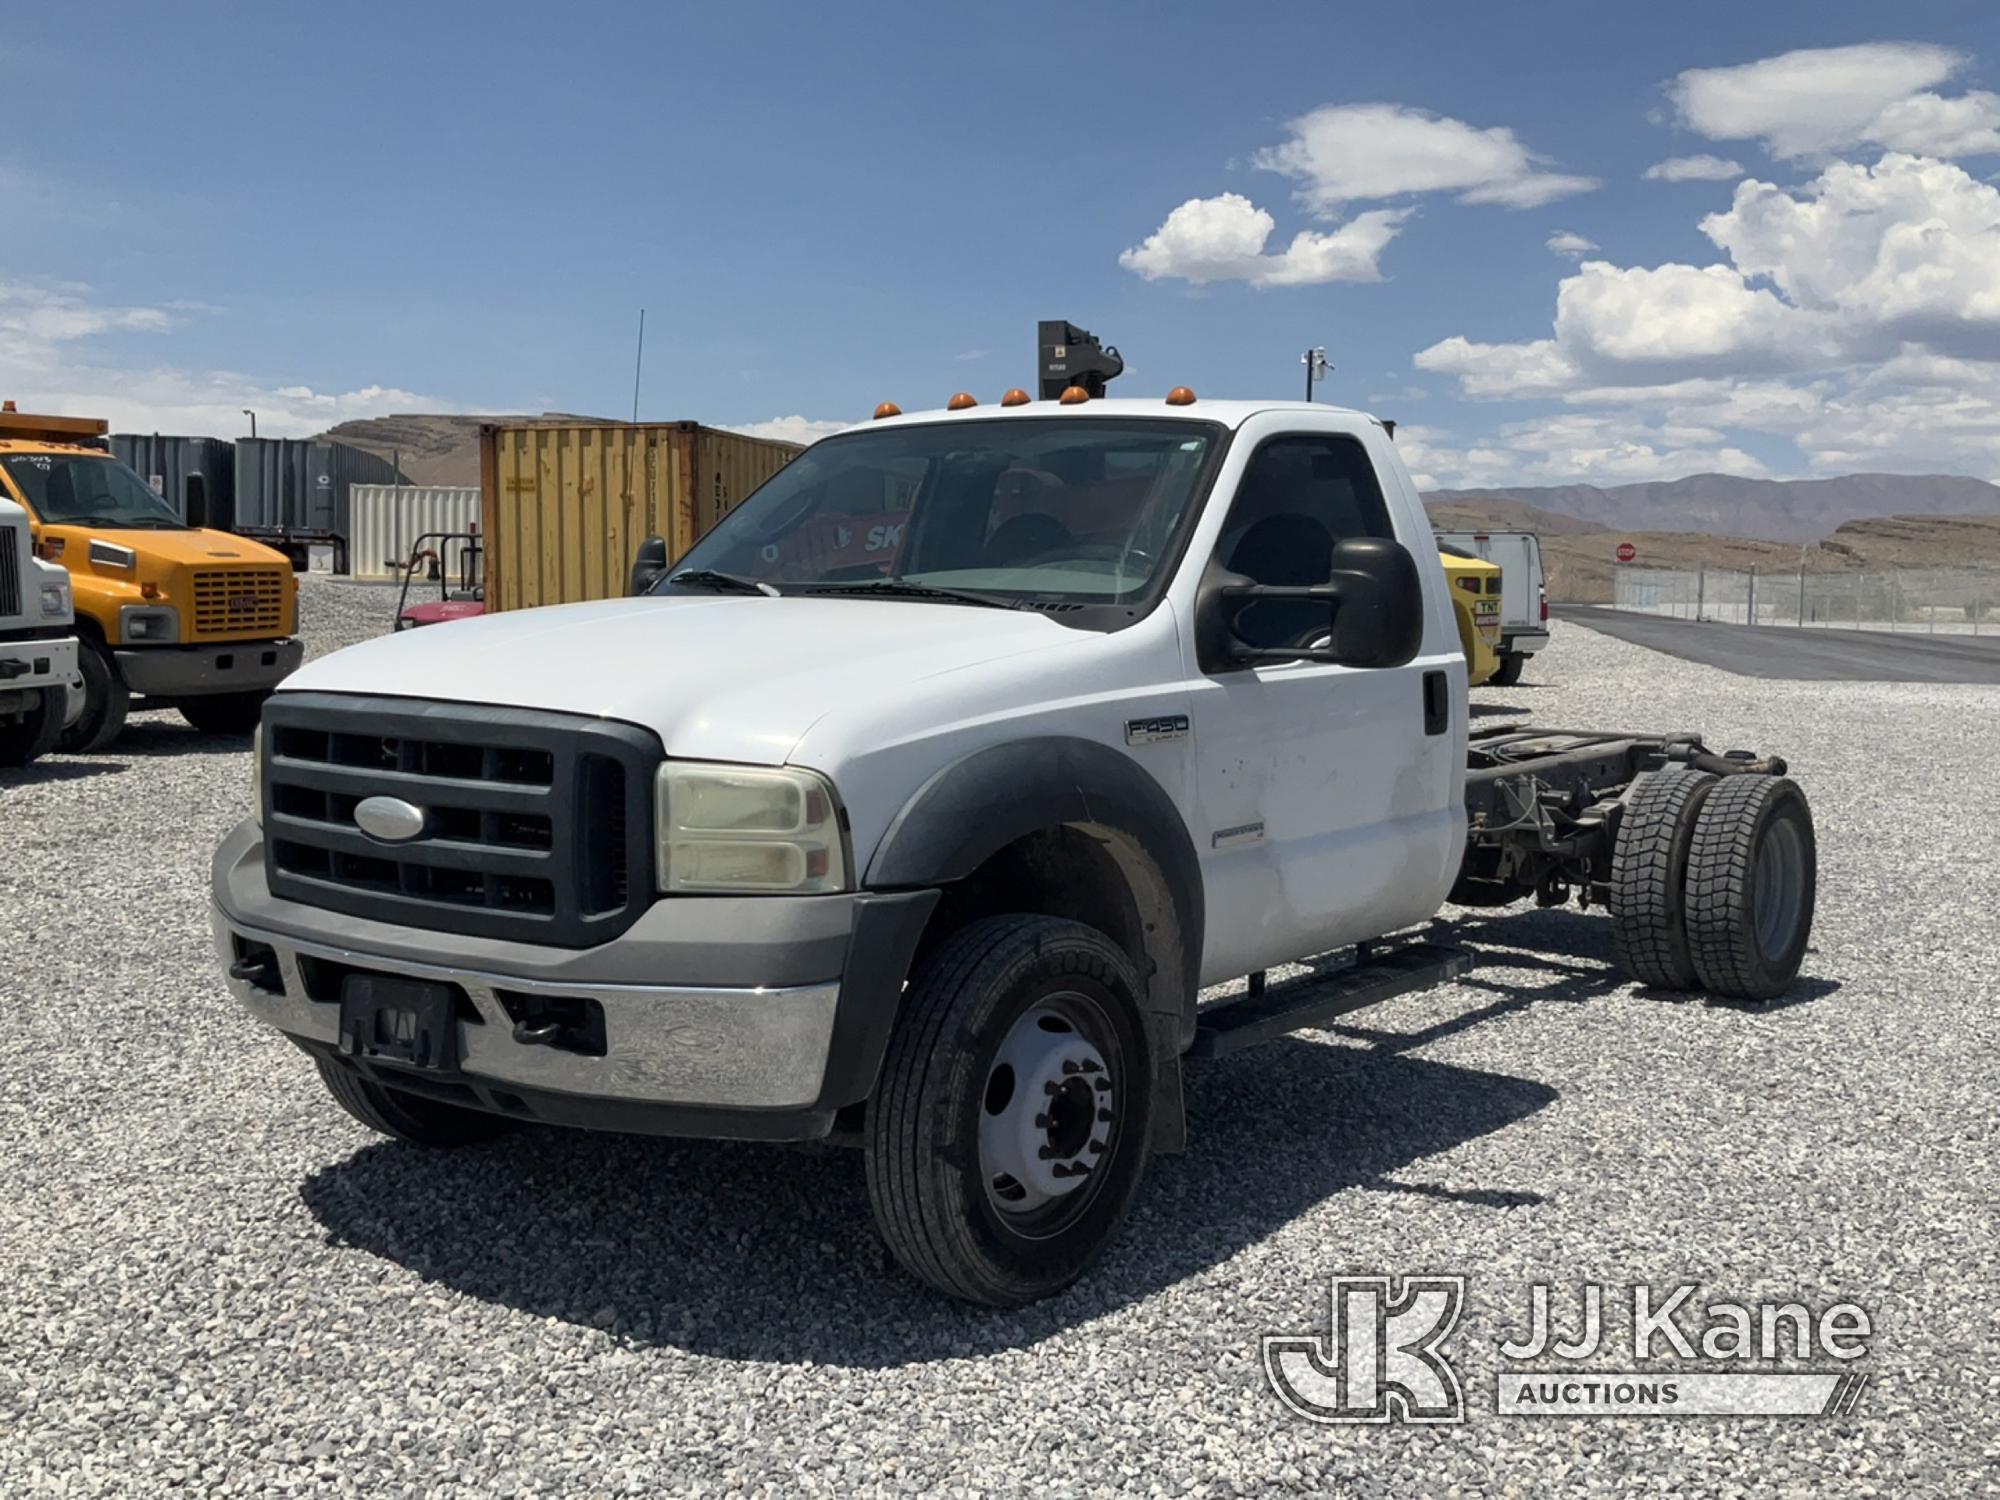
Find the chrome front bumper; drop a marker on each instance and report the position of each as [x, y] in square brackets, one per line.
[664, 1044]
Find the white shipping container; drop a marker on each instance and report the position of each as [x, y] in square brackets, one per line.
[386, 519]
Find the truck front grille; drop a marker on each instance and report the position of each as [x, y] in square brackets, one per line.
[239, 601]
[527, 816]
[10, 571]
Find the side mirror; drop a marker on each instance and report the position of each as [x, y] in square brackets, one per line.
[1373, 609]
[649, 565]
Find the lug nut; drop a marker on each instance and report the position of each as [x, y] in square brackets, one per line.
[1097, 1148]
[1091, 1065]
[1103, 1086]
[1071, 1067]
[1104, 1117]
[1052, 1087]
[1042, 1122]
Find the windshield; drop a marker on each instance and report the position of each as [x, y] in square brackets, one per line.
[1073, 509]
[75, 489]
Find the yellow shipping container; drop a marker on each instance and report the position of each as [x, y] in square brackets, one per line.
[565, 505]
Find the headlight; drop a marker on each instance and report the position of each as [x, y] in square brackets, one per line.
[154, 623]
[55, 600]
[257, 774]
[747, 828]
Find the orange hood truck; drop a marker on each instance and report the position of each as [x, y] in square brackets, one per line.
[180, 616]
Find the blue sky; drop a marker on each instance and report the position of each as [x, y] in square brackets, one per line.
[327, 211]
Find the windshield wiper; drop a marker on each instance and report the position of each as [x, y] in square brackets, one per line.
[722, 583]
[902, 588]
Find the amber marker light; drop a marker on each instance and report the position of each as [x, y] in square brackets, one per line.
[888, 409]
[1076, 395]
[961, 401]
[1015, 397]
[1180, 395]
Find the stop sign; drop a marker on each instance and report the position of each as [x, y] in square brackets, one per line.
[1626, 551]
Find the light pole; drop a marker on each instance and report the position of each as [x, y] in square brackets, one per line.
[253, 420]
[1316, 367]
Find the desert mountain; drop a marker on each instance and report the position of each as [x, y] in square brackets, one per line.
[1783, 510]
[431, 448]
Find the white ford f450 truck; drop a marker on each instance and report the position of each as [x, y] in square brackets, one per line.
[40, 690]
[917, 803]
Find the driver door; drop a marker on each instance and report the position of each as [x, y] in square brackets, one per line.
[1322, 791]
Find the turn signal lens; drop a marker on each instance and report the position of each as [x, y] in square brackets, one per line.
[961, 401]
[149, 591]
[888, 409]
[1015, 397]
[1180, 395]
[1076, 395]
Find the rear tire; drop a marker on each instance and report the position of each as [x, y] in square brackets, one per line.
[1752, 883]
[34, 734]
[106, 700]
[1011, 1127]
[406, 1117]
[225, 713]
[1649, 864]
[1511, 663]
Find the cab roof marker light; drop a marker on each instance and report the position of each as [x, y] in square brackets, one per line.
[888, 409]
[1076, 395]
[963, 401]
[1015, 397]
[1181, 395]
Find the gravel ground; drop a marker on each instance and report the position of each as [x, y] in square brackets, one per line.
[217, 1281]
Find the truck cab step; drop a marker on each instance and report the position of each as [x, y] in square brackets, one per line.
[1232, 1025]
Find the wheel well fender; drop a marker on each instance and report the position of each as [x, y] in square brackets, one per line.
[994, 798]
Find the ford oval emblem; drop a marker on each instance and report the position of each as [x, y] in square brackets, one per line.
[390, 819]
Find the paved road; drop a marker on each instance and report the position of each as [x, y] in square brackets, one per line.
[1803, 655]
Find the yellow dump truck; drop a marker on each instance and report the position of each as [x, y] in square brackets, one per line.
[202, 621]
[1475, 604]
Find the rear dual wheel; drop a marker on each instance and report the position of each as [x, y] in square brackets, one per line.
[1713, 883]
[1010, 1130]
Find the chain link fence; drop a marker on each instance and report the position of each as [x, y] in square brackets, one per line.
[1940, 601]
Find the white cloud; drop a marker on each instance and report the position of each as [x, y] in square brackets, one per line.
[1701, 168]
[1855, 317]
[1223, 239]
[1569, 244]
[793, 429]
[1572, 448]
[51, 313]
[1341, 153]
[1907, 248]
[1829, 99]
[46, 363]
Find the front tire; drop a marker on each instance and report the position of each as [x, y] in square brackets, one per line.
[225, 713]
[1511, 663]
[407, 1117]
[106, 700]
[1011, 1128]
[34, 733]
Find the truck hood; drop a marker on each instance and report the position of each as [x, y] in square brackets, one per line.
[716, 677]
[198, 548]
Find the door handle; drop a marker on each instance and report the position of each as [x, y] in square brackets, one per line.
[1437, 703]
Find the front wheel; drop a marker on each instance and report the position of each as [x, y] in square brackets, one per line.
[33, 734]
[105, 702]
[225, 713]
[1011, 1128]
[1509, 673]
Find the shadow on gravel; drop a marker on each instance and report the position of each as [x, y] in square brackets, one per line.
[172, 737]
[58, 770]
[1490, 710]
[750, 1252]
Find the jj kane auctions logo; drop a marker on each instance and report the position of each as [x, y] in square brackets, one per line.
[1385, 1358]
